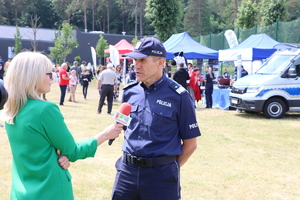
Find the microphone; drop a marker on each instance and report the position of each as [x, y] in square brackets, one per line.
[122, 117]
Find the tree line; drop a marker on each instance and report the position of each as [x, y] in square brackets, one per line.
[149, 17]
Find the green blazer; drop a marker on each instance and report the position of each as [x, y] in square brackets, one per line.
[38, 131]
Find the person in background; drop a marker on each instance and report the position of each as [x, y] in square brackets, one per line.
[7, 63]
[132, 75]
[100, 69]
[77, 69]
[168, 70]
[108, 83]
[189, 86]
[38, 134]
[68, 68]
[181, 76]
[119, 78]
[243, 72]
[85, 79]
[63, 82]
[90, 68]
[163, 131]
[194, 83]
[73, 84]
[209, 86]
[226, 73]
[83, 65]
[1, 68]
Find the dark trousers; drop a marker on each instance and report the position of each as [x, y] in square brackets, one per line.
[63, 89]
[146, 183]
[208, 94]
[107, 91]
[85, 89]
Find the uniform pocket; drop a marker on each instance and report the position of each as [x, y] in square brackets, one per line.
[163, 119]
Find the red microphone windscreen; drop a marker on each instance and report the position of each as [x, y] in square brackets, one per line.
[125, 109]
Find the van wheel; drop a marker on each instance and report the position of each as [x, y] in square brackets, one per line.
[274, 108]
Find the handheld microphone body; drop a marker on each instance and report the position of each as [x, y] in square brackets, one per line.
[122, 117]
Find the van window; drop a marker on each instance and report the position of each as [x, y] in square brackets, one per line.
[275, 64]
[297, 70]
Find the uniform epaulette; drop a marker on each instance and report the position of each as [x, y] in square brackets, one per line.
[177, 88]
[129, 85]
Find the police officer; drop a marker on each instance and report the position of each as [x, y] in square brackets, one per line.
[163, 131]
[243, 72]
[209, 86]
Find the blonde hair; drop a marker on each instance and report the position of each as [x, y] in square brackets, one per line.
[24, 76]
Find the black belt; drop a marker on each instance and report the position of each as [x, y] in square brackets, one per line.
[107, 85]
[148, 162]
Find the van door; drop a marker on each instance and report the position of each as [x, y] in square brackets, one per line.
[294, 87]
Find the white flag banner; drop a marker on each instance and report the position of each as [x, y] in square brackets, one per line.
[94, 57]
[231, 38]
[114, 55]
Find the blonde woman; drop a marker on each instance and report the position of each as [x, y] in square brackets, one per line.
[73, 84]
[34, 140]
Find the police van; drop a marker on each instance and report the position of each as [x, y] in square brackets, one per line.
[274, 89]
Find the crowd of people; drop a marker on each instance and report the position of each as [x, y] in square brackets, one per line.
[192, 81]
[70, 76]
[159, 140]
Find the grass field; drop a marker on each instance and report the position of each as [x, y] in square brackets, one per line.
[239, 156]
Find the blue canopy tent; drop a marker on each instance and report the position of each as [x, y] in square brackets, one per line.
[255, 47]
[191, 49]
[252, 51]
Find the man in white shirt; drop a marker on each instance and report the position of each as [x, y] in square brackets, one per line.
[107, 83]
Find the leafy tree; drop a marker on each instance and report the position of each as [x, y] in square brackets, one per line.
[64, 43]
[165, 16]
[247, 14]
[134, 40]
[77, 58]
[3, 19]
[18, 41]
[293, 9]
[222, 14]
[60, 7]
[42, 8]
[196, 18]
[101, 46]
[273, 10]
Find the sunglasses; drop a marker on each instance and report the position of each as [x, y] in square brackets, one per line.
[50, 75]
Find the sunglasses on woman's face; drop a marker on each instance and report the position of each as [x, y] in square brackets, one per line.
[50, 75]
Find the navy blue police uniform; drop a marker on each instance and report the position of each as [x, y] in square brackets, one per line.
[209, 87]
[162, 116]
[244, 73]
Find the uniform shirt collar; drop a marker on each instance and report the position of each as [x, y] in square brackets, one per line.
[156, 84]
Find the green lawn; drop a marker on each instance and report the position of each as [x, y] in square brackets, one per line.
[239, 155]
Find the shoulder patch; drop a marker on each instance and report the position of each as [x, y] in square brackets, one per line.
[177, 88]
[129, 85]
